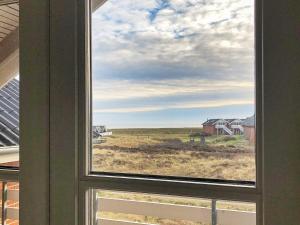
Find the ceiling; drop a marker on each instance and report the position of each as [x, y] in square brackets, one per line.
[9, 19]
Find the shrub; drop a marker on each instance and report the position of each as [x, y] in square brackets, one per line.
[226, 138]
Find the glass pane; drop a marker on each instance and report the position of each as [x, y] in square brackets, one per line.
[10, 195]
[9, 85]
[141, 209]
[173, 88]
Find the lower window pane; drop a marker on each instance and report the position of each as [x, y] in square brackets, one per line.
[9, 203]
[123, 208]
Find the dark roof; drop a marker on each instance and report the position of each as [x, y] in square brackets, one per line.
[210, 122]
[249, 121]
[231, 120]
[9, 114]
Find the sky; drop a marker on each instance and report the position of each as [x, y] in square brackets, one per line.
[172, 63]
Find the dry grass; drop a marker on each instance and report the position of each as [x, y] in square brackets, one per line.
[169, 152]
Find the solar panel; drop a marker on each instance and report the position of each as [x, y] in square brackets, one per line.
[9, 114]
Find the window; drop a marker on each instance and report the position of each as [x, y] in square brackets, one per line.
[71, 127]
[169, 81]
[9, 203]
[9, 112]
[9, 85]
[168, 93]
[136, 208]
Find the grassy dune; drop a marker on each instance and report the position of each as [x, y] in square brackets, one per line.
[169, 151]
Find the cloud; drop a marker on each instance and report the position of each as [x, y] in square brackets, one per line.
[184, 105]
[107, 90]
[133, 97]
[209, 39]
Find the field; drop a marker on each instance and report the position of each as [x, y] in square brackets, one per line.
[168, 151]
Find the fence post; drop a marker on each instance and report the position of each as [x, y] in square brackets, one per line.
[214, 212]
[93, 207]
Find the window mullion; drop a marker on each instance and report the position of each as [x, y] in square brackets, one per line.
[63, 113]
[201, 190]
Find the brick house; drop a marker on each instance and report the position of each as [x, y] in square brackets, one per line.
[235, 126]
[223, 127]
[249, 129]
